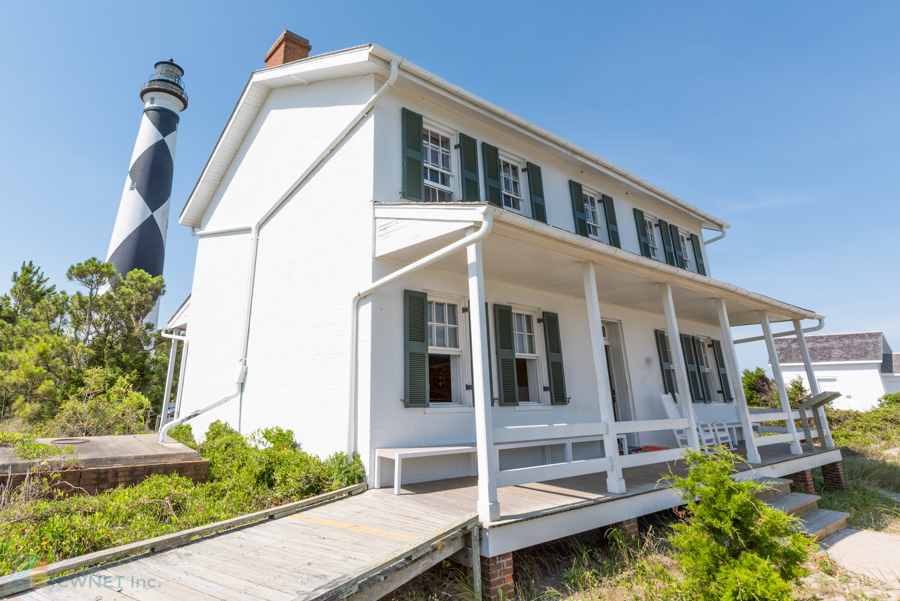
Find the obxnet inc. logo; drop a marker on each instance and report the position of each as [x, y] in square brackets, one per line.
[36, 567]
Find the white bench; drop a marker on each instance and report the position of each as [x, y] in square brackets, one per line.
[398, 455]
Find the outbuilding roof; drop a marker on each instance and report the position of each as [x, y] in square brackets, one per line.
[835, 348]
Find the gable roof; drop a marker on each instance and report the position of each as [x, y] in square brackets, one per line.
[831, 348]
[368, 59]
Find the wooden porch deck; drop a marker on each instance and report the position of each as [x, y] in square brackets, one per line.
[365, 545]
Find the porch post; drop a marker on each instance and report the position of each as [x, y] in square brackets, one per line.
[779, 382]
[488, 507]
[615, 483]
[681, 377]
[813, 384]
[736, 384]
[170, 375]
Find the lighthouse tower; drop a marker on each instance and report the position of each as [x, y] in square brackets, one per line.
[139, 236]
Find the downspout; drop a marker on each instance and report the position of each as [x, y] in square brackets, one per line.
[717, 238]
[815, 328]
[254, 242]
[467, 241]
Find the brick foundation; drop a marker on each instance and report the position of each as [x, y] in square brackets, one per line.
[834, 476]
[629, 528]
[497, 573]
[804, 481]
[97, 479]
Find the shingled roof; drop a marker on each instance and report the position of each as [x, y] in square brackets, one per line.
[827, 348]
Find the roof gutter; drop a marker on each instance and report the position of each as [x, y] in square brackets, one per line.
[815, 328]
[488, 109]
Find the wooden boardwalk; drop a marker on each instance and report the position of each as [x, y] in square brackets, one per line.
[355, 547]
[358, 547]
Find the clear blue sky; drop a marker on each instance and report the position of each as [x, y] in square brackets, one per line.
[780, 118]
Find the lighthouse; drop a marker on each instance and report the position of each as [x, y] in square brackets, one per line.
[139, 236]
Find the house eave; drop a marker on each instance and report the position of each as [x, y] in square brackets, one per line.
[366, 59]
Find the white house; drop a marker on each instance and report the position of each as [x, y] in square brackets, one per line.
[860, 365]
[386, 261]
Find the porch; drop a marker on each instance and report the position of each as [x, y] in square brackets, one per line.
[504, 248]
[538, 512]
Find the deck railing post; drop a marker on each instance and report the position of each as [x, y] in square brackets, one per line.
[779, 382]
[615, 483]
[488, 506]
[736, 383]
[678, 362]
[825, 435]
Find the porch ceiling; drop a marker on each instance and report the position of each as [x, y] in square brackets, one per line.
[526, 256]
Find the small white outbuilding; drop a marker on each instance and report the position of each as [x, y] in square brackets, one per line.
[860, 365]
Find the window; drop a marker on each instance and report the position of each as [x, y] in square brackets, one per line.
[527, 359]
[593, 207]
[438, 171]
[509, 184]
[687, 249]
[652, 237]
[444, 353]
[709, 370]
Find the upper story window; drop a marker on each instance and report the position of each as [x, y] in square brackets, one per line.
[687, 249]
[653, 237]
[438, 167]
[593, 207]
[510, 174]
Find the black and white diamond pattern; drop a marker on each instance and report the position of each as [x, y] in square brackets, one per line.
[139, 236]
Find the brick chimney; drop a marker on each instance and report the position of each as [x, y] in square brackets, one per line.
[288, 48]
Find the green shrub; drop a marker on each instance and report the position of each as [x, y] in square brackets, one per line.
[891, 400]
[866, 432]
[733, 546]
[105, 405]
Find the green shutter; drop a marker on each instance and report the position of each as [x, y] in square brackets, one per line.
[698, 255]
[415, 348]
[506, 355]
[642, 232]
[668, 249]
[468, 161]
[690, 363]
[491, 157]
[487, 350]
[703, 368]
[555, 359]
[723, 372]
[413, 169]
[676, 245]
[665, 362]
[578, 208]
[536, 189]
[612, 226]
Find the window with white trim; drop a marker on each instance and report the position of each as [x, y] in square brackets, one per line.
[438, 165]
[687, 249]
[528, 363]
[511, 185]
[593, 216]
[445, 352]
[711, 375]
[653, 236]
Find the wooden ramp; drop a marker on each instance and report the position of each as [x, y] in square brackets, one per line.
[360, 546]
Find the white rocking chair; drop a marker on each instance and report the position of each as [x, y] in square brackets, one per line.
[709, 433]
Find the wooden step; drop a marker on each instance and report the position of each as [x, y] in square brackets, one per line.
[795, 503]
[775, 487]
[822, 522]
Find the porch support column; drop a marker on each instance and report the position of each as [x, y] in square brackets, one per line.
[681, 377]
[825, 434]
[736, 384]
[615, 483]
[488, 507]
[779, 383]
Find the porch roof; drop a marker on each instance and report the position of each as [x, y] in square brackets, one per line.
[526, 252]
